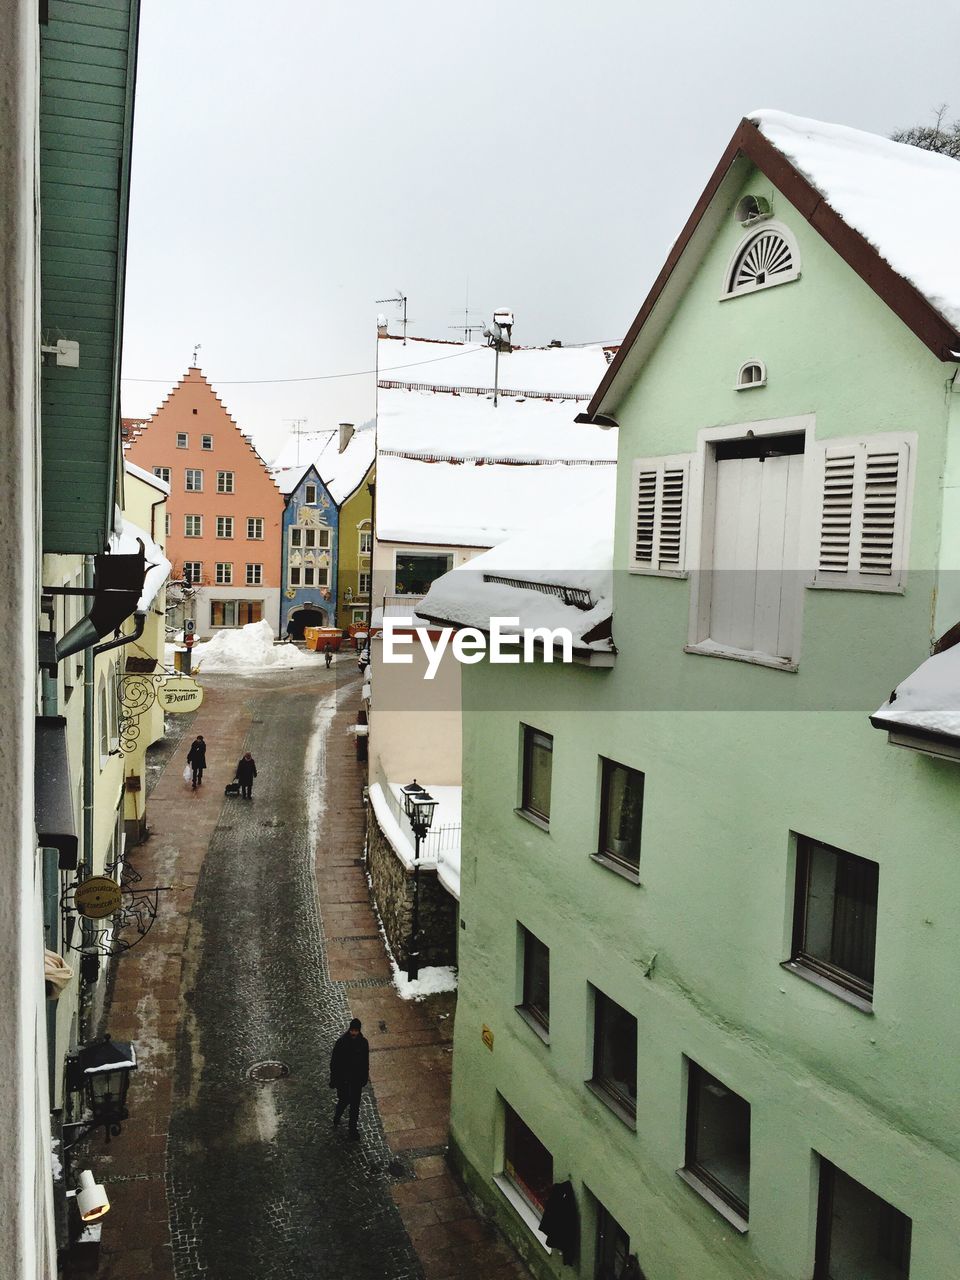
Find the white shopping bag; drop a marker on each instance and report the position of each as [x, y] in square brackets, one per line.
[187, 773]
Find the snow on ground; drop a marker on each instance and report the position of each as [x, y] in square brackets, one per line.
[432, 979]
[249, 648]
[882, 188]
[928, 699]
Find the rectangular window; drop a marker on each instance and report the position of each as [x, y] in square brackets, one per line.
[162, 473]
[182, 440]
[323, 576]
[225, 482]
[224, 526]
[194, 480]
[415, 573]
[358, 617]
[859, 1236]
[310, 494]
[294, 576]
[863, 505]
[323, 538]
[206, 442]
[621, 814]
[537, 772]
[366, 542]
[535, 1002]
[193, 572]
[659, 515]
[255, 527]
[224, 573]
[167, 524]
[249, 611]
[296, 537]
[235, 613]
[614, 1053]
[835, 916]
[527, 1163]
[254, 575]
[309, 537]
[364, 585]
[613, 1247]
[718, 1140]
[193, 526]
[308, 576]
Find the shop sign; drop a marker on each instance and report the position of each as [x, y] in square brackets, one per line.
[97, 897]
[180, 694]
[486, 1035]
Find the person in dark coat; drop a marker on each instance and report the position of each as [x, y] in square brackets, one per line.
[349, 1072]
[197, 759]
[327, 654]
[246, 772]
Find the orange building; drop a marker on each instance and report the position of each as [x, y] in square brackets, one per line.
[224, 514]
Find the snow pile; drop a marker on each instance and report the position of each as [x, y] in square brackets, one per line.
[575, 552]
[249, 648]
[125, 542]
[929, 699]
[905, 201]
[432, 980]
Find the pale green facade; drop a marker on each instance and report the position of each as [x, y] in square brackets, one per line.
[738, 759]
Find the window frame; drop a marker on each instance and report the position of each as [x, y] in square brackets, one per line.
[223, 573]
[189, 565]
[308, 490]
[295, 581]
[826, 1214]
[162, 473]
[227, 523]
[604, 1086]
[604, 854]
[186, 530]
[206, 443]
[529, 735]
[257, 579]
[528, 1009]
[522, 1188]
[183, 440]
[804, 963]
[257, 522]
[363, 587]
[658, 566]
[191, 473]
[695, 1174]
[782, 277]
[365, 541]
[226, 482]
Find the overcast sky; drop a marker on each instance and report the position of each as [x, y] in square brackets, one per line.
[293, 162]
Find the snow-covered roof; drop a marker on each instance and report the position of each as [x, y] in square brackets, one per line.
[147, 477]
[558, 573]
[472, 504]
[565, 371]
[904, 201]
[928, 700]
[442, 425]
[126, 542]
[340, 472]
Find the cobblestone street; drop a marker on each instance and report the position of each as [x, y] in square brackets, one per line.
[263, 950]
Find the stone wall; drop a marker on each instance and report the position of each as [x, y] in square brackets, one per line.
[393, 895]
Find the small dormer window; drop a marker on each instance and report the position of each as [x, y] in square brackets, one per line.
[752, 374]
[764, 258]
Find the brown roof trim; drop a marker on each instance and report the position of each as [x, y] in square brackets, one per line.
[902, 297]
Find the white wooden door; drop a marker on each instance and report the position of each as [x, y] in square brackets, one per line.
[754, 594]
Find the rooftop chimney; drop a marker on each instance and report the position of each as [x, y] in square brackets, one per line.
[381, 326]
[346, 434]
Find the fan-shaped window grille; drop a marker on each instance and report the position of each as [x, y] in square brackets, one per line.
[765, 258]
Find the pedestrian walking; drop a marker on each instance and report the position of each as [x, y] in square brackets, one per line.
[197, 759]
[349, 1072]
[246, 772]
[327, 654]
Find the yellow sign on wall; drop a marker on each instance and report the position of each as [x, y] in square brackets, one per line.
[97, 897]
[486, 1035]
[180, 694]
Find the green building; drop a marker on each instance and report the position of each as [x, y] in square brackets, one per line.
[708, 940]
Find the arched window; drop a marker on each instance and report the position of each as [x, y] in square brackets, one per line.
[752, 374]
[763, 258]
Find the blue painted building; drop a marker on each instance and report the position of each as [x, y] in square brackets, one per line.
[308, 583]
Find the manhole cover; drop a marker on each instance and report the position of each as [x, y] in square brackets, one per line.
[264, 1071]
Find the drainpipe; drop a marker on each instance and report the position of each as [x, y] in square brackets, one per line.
[49, 705]
[153, 518]
[88, 732]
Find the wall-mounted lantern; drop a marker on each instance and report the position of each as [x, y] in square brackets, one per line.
[101, 1072]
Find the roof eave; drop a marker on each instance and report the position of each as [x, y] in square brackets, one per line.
[749, 144]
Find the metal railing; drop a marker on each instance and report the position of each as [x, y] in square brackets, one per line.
[439, 841]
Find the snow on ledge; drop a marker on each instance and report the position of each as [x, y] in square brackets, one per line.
[928, 700]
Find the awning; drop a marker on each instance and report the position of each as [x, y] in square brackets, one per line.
[53, 792]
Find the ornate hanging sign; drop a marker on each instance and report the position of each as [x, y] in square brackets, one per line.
[180, 694]
[119, 913]
[97, 897]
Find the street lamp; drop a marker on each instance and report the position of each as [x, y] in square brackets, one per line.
[419, 807]
[101, 1071]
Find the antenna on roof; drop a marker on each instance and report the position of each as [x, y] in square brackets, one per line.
[400, 301]
[468, 325]
[297, 426]
[196, 348]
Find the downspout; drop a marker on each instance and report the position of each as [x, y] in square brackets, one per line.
[153, 517]
[49, 705]
[88, 730]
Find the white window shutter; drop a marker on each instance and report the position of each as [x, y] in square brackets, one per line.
[862, 515]
[659, 514]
